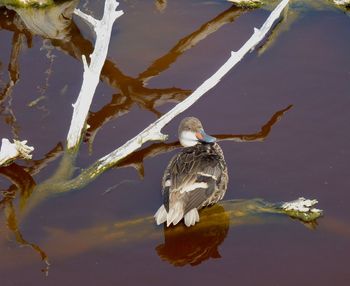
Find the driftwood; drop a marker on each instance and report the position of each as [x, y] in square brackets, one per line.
[12, 151]
[92, 71]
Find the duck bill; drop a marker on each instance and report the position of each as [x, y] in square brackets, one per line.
[204, 137]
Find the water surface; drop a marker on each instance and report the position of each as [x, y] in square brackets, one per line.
[156, 58]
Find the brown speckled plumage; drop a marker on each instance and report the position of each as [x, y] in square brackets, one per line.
[188, 167]
[194, 178]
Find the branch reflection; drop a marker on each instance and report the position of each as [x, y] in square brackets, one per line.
[12, 224]
[25, 183]
[13, 72]
[136, 159]
[188, 42]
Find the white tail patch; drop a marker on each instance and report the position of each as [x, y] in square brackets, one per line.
[191, 217]
[207, 175]
[161, 215]
[175, 214]
[194, 186]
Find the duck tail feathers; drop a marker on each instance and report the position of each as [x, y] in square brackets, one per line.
[161, 215]
[191, 217]
[175, 214]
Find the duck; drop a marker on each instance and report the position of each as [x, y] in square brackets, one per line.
[195, 178]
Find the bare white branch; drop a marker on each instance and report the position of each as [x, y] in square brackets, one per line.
[153, 132]
[91, 76]
[16, 150]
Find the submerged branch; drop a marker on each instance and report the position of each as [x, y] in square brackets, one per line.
[301, 208]
[202, 240]
[92, 71]
[22, 177]
[35, 166]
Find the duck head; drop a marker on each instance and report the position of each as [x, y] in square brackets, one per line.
[191, 132]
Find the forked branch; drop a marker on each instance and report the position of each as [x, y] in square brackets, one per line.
[92, 71]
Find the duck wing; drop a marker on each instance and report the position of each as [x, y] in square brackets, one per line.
[192, 176]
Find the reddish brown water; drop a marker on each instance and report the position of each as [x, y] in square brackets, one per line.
[306, 154]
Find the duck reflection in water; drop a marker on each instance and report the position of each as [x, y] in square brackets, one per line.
[183, 245]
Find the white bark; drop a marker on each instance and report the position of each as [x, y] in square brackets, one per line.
[302, 209]
[153, 131]
[301, 205]
[16, 150]
[92, 71]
